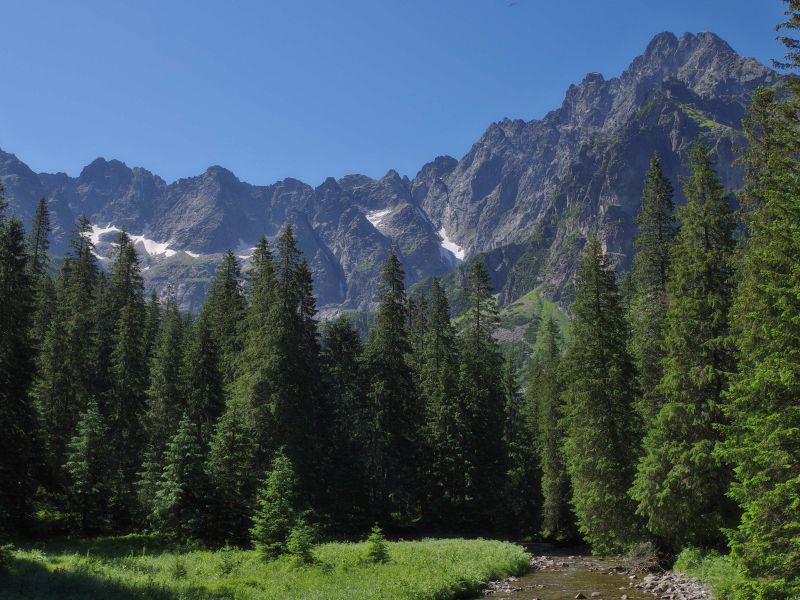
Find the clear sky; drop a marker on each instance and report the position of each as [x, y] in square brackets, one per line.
[313, 88]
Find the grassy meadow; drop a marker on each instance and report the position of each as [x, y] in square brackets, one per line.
[143, 567]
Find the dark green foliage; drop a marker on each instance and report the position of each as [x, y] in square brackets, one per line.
[763, 409]
[276, 508]
[377, 550]
[39, 239]
[345, 424]
[601, 425]
[482, 396]
[178, 507]
[202, 380]
[165, 400]
[394, 413]
[523, 479]
[232, 474]
[67, 370]
[224, 310]
[19, 444]
[680, 486]
[545, 390]
[88, 470]
[128, 370]
[445, 419]
[651, 268]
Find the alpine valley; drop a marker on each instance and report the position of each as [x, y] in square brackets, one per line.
[526, 196]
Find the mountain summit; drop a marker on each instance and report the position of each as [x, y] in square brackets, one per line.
[526, 196]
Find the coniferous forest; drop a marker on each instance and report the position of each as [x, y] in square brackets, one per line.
[671, 415]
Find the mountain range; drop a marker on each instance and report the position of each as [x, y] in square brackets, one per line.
[526, 196]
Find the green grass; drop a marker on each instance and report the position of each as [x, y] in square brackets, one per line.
[716, 570]
[142, 567]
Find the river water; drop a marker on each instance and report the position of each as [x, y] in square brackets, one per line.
[570, 575]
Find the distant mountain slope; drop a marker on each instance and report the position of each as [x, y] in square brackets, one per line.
[526, 195]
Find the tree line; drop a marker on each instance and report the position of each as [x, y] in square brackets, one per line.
[670, 415]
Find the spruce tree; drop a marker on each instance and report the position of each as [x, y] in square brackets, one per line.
[294, 369]
[165, 402]
[545, 390]
[87, 467]
[348, 425]
[444, 415]
[276, 508]
[601, 424]
[253, 387]
[224, 310]
[522, 480]
[763, 408]
[128, 372]
[39, 239]
[232, 474]
[179, 502]
[67, 369]
[394, 412]
[481, 388]
[19, 444]
[651, 267]
[202, 381]
[680, 485]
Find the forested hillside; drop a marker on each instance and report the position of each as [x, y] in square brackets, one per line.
[669, 415]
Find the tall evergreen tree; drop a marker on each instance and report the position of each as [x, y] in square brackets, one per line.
[444, 415]
[601, 425]
[39, 239]
[680, 486]
[165, 402]
[224, 310]
[294, 366]
[202, 381]
[482, 396]
[253, 385]
[522, 502]
[128, 370]
[347, 429]
[19, 444]
[390, 451]
[651, 267]
[545, 390]
[88, 470]
[67, 365]
[763, 407]
[152, 322]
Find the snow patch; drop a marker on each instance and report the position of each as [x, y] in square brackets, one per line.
[152, 247]
[376, 217]
[454, 249]
[192, 254]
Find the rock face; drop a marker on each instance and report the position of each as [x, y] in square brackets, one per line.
[526, 196]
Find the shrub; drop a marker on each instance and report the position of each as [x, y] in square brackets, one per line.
[377, 550]
[715, 570]
[6, 556]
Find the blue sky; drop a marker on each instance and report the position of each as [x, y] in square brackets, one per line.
[313, 88]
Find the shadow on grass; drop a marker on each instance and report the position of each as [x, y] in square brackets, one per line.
[30, 579]
[102, 547]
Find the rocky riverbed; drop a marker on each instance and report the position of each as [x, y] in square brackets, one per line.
[558, 577]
